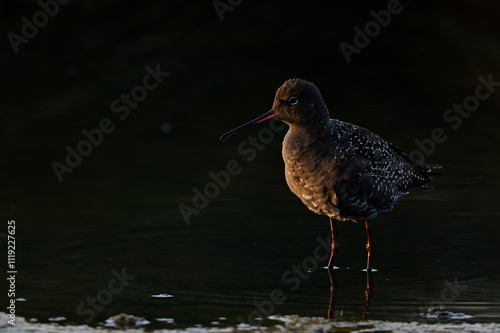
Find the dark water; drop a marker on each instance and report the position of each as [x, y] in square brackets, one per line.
[253, 250]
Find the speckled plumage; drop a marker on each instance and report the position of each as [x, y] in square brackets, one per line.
[339, 169]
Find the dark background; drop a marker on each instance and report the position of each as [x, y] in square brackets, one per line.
[119, 207]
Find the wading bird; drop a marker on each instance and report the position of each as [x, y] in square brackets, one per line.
[338, 169]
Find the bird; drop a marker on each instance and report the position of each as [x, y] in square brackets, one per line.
[338, 169]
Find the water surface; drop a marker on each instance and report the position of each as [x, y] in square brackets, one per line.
[253, 250]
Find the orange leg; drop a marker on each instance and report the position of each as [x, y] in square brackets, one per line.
[335, 244]
[369, 246]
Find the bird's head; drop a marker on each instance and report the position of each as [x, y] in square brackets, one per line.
[297, 103]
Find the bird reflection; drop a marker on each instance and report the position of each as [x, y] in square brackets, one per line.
[368, 293]
[332, 314]
[334, 290]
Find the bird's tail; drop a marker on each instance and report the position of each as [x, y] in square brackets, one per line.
[427, 169]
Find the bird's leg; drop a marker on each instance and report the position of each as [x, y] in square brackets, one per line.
[369, 268]
[335, 244]
[369, 246]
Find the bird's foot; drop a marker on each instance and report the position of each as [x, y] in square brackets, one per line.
[331, 268]
[371, 269]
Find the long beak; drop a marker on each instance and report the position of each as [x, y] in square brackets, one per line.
[266, 116]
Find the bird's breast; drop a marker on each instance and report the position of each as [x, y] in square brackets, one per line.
[311, 175]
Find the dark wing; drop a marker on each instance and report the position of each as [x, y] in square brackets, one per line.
[373, 173]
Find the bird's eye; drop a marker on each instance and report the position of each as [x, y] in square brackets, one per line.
[293, 100]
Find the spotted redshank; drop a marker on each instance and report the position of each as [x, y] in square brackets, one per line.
[338, 169]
